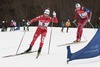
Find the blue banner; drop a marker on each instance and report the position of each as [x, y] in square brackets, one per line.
[92, 49]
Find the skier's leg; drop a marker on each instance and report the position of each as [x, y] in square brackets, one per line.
[36, 35]
[84, 23]
[79, 31]
[81, 24]
[43, 35]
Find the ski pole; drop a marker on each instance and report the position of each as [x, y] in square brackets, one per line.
[90, 20]
[83, 34]
[20, 42]
[91, 25]
[50, 39]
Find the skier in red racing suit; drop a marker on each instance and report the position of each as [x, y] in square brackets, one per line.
[44, 21]
[85, 15]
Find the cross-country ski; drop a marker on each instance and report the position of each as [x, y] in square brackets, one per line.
[66, 44]
[18, 54]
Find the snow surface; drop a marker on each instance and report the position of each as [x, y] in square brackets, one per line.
[9, 42]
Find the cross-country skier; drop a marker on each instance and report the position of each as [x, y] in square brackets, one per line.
[85, 16]
[44, 21]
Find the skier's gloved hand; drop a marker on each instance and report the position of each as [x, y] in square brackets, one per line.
[88, 20]
[27, 24]
[54, 14]
[74, 21]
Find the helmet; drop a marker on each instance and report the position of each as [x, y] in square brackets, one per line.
[77, 5]
[47, 11]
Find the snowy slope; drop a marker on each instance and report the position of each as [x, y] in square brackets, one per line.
[9, 42]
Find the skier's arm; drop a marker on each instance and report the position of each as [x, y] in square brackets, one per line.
[89, 14]
[34, 20]
[31, 21]
[54, 19]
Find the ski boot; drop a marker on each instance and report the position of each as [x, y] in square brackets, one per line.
[39, 51]
[28, 50]
[77, 40]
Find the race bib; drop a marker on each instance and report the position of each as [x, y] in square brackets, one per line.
[44, 24]
[83, 15]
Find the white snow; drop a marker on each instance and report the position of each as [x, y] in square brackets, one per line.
[9, 42]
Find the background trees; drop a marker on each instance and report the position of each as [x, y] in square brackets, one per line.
[28, 9]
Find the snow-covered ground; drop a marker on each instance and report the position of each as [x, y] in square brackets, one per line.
[9, 42]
